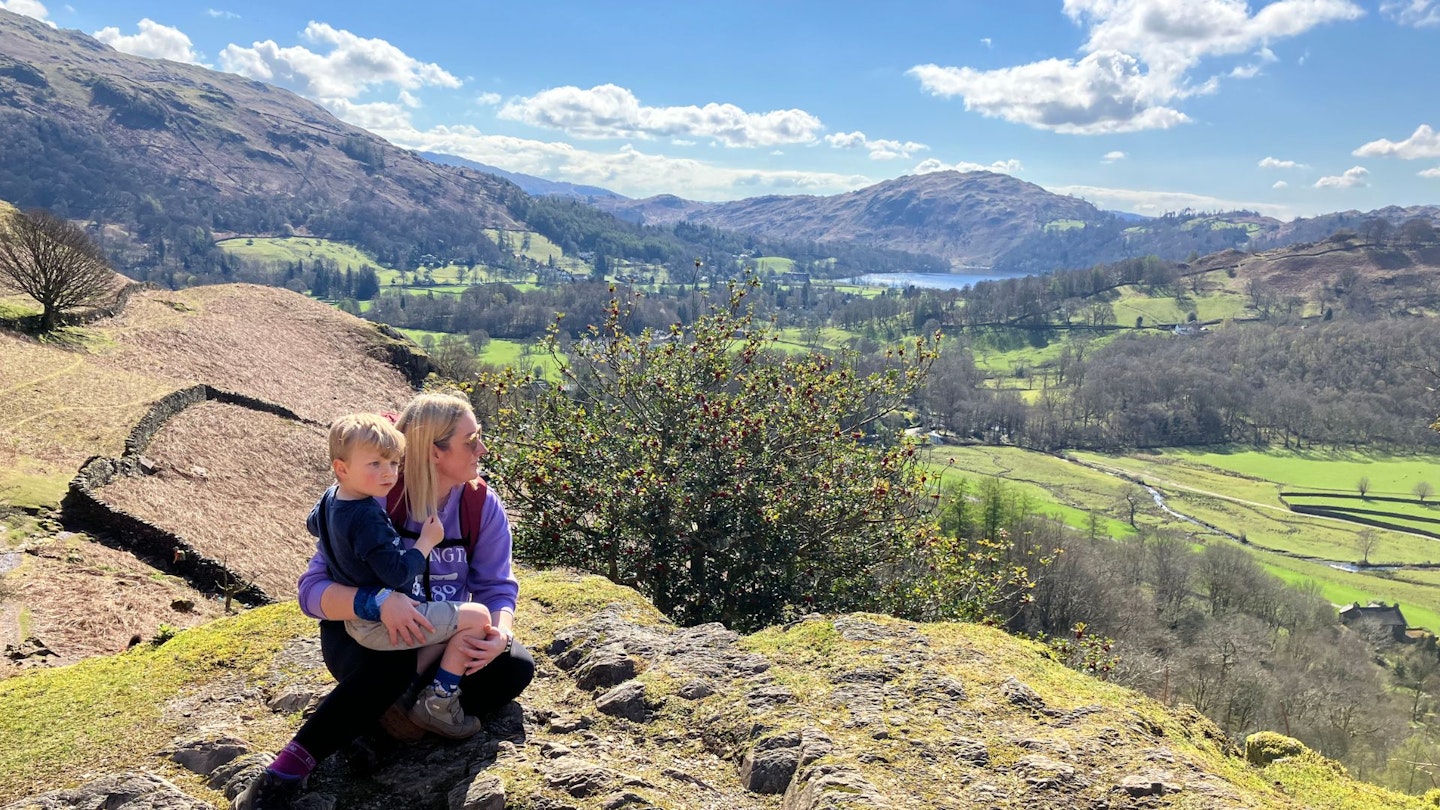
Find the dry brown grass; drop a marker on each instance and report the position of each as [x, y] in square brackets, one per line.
[85, 599]
[260, 341]
[1300, 269]
[62, 402]
[237, 484]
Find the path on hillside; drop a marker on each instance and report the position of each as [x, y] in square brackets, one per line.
[52, 375]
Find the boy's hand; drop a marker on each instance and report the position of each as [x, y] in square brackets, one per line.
[431, 533]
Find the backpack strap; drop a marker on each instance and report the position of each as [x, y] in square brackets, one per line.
[397, 506]
[472, 510]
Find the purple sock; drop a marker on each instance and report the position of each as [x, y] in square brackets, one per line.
[294, 762]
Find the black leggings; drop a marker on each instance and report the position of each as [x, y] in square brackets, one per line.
[368, 681]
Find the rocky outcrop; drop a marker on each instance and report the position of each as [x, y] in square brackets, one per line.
[628, 711]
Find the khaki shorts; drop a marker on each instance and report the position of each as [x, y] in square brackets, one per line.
[444, 615]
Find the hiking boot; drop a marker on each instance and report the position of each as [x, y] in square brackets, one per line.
[268, 791]
[397, 723]
[444, 716]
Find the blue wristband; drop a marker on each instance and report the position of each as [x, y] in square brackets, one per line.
[365, 605]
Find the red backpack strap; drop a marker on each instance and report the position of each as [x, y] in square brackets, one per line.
[472, 510]
[397, 506]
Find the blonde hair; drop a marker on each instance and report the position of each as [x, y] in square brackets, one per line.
[365, 430]
[427, 421]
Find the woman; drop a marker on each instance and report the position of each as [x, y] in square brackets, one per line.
[441, 477]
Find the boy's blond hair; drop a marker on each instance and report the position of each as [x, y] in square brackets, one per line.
[365, 430]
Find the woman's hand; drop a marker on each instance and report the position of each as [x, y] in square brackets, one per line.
[404, 622]
[480, 652]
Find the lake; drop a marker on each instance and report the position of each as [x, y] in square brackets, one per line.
[934, 281]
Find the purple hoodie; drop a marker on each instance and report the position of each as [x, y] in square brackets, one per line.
[487, 580]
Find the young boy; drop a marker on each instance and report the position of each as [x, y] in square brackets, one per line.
[361, 548]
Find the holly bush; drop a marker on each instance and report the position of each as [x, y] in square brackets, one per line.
[723, 478]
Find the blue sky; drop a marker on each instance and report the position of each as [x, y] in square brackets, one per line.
[1290, 107]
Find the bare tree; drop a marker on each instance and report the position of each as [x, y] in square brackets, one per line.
[1365, 542]
[1363, 485]
[53, 261]
[1423, 490]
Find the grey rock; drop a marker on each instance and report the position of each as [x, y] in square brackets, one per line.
[1042, 771]
[696, 690]
[771, 763]
[204, 754]
[626, 799]
[568, 723]
[1148, 784]
[122, 791]
[1021, 695]
[626, 700]
[484, 792]
[297, 699]
[579, 777]
[970, 751]
[607, 666]
[831, 787]
[768, 697]
[232, 777]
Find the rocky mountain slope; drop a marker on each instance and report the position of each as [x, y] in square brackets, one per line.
[98, 134]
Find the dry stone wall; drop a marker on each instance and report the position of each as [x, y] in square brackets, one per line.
[82, 510]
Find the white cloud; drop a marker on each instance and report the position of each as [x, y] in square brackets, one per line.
[1138, 57]
[609, 111]
[628, 171]
[1277, 163]
[1111, 157]
[1104, 92]
[222, 15]
[1418, 13]
[30, 8]
[1430, 173]
[154, 41]
[1423, 143]
[1353, 176]
[1011, 166]
[1279, 184]
[375, 116]
[880, 148]
[1145, 201]
[352, 65]
[987, 42]
[488, 99]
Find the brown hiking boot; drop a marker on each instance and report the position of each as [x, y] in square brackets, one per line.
[397, 723]
[444, 716]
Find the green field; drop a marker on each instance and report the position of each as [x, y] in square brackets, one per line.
[1066, 491]
[290, 249]
[1238, 491]
[1322, 469]
[1211, 306]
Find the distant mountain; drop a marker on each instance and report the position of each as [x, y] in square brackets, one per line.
[969, 218]
[161, 148]
[1313, 229]
[994, 220]
[528, 183]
